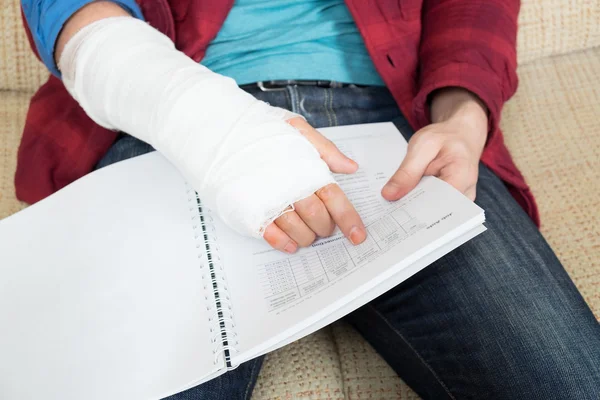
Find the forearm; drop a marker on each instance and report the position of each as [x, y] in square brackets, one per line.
[88, 14]
[462, 112]
[128, 76]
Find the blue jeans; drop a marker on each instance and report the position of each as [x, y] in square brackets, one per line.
[497, 318]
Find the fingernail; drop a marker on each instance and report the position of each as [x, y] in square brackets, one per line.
[356, 235]
[390, 189]
[290, 247]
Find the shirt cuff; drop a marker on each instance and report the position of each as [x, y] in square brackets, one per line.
[484, 84]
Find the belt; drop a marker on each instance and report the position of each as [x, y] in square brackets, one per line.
[270, 86]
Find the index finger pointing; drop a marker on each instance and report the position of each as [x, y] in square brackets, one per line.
[343, 213]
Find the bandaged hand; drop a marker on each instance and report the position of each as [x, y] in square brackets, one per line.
[318, 214]
[246, 162]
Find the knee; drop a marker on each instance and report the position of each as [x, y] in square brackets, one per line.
[548, 359]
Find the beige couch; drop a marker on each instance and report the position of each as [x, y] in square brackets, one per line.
[552, 127]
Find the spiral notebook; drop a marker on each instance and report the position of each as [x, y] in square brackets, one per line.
[124, 286]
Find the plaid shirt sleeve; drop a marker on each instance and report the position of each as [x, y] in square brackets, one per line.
[469, 44]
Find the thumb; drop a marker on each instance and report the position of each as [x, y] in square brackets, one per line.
[333, 157]
[418, 157]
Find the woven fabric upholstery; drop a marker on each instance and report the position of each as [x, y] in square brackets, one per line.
[307, 369]
[553, 27]
[13, 107]
[365, 374]
[551, 127]
[547, 27]
[19, 68]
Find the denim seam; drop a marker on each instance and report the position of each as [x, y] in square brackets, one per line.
[333, 113]
[414, 351]
[291, 90]
[326, 106]
[297, 100]
[289, 100]
[251, 381]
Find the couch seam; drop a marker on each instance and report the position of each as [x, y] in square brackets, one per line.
[339, 359]
[552, 56]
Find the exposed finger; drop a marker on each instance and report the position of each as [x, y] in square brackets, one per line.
[335, 159]
[279, 240]
[421, 152]
[295, 228]
[343, 212]
[314, 213]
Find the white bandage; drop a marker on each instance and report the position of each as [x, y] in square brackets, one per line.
[241, 156]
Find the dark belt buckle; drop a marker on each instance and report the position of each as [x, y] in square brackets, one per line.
[267, 86]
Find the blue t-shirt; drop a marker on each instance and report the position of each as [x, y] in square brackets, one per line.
[291, 39]
[260, 39]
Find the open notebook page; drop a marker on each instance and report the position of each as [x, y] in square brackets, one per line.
[395, 276]
[275, 296]
[101, 291]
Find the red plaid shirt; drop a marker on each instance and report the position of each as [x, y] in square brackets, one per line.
[417, 46]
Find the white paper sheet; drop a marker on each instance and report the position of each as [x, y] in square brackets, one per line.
[101, 290]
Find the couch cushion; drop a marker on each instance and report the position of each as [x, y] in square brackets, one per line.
[306, 369]
[553, 27]
[19, 68]
[13, 107]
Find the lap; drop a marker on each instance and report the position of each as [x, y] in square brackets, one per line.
[235, 384]
[496, 318]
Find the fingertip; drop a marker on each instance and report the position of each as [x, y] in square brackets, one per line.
[391, 191]
[352, 165]
[279, 240]
[269, 233]
[357, 235]
[342, 165]
[290, 247]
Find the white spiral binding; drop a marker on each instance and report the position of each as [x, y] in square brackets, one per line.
[197, 227]
[214, 283]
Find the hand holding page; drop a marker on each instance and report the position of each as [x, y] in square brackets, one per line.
[124, 286]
